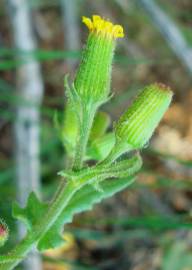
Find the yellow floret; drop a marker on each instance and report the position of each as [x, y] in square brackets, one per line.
[101, 26]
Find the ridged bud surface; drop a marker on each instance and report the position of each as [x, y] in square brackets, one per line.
[92, 81]
[138, 123]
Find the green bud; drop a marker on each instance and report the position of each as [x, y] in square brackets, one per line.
[92, 81]
[4, 232]
[137, 124]
[69, 128]
[100, 125]
[101, 147]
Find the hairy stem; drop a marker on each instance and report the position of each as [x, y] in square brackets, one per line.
[32, 238]
[84, 132]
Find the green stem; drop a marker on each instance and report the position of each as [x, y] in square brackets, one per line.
[61, 199]
[32, 238]
[88, 114]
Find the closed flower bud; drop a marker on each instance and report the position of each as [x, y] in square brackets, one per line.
[138, 123]
[69, 129]
[4, 232]
[92, 81]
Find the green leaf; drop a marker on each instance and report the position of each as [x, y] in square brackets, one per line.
[7, 258]
[33, 211]
[83, 200]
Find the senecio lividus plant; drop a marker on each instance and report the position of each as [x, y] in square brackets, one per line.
[83, 131]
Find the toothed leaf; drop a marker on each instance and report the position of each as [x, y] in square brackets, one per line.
[7, 258]
[83, 200]
[33, 211]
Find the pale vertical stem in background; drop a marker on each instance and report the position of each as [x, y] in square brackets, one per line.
[169, 31]
[26, 128]
[71, 28]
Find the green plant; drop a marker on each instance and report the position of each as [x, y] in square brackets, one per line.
[83, 132]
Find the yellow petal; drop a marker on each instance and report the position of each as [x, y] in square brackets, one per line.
[87, 22]
[103, 27]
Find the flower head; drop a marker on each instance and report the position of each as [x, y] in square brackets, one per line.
[4, 232]
[101, 26]
[92, 81]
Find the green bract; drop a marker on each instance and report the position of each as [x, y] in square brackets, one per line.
[137, 124]
[92, 81]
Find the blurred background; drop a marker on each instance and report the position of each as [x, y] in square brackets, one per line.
[147, 226]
